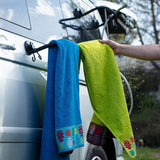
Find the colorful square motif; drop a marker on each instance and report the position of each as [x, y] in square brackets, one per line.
[69, 138]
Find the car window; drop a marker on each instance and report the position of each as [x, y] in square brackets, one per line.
[45, 16]
[15, 12]
[89, 20]
[34, 19]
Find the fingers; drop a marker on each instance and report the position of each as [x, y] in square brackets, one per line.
[103, 41]
[109, 42]
[112, 44]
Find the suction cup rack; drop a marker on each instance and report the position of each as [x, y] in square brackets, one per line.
[30, 49]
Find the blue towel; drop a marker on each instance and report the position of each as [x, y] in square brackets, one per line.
[62, 126]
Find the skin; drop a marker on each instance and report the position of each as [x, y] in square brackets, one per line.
[144, 52]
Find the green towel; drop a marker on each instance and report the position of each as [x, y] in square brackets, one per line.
[106, 92]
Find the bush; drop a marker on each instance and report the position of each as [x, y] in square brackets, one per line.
[146, 122]
[145, 116]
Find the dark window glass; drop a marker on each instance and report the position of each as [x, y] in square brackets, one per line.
[87, 21]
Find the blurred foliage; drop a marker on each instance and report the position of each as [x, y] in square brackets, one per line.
[146, 122]
[145, 115]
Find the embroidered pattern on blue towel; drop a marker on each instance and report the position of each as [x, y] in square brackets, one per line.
[69, 138]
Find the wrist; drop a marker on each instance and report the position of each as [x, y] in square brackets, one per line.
[123, 49]
[119, 49]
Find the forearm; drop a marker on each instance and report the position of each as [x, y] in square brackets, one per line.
[145, 52]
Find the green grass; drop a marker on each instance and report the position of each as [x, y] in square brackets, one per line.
[144, 153]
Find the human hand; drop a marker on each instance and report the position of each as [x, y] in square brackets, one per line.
[114, 45]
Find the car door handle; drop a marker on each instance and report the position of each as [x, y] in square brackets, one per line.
[7, 47]
[4, 43]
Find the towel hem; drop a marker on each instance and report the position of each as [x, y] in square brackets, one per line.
[70, 137]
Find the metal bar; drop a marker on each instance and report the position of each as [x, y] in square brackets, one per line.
[30, 49]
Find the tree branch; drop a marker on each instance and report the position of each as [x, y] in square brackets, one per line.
[154, 22]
